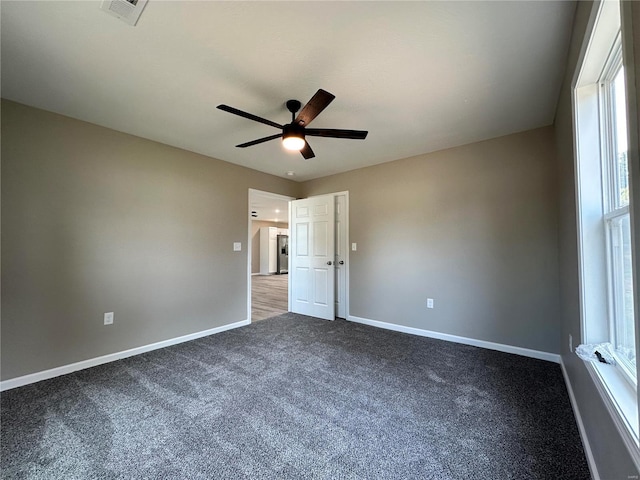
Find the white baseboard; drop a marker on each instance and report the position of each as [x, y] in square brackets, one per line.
[583, 433]
[92, 362]
[525, 352]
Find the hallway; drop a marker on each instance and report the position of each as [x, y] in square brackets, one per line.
[268, 296]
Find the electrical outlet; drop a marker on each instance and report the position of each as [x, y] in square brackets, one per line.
[570, 343]
[108, 318]
[237, 246]
[429, 302]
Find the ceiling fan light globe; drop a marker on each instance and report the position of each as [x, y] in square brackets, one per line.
[293, 143]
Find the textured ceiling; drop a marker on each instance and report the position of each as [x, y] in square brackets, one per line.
[419, 76]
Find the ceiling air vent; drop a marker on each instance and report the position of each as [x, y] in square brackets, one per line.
[126, 10]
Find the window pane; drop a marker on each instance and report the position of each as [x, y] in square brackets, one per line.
[624, 330]
[621, 193]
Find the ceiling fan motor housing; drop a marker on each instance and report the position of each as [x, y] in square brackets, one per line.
[292, 130]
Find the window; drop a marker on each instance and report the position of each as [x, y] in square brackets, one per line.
[616, 217]
[604, 219]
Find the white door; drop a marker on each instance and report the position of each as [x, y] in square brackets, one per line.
[311, 256]
[341, 255]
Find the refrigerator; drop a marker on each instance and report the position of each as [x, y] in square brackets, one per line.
[282, 254]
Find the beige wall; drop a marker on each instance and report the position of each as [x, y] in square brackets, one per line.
[256, 225]
[631, 27]
[474, 227]
[611, 456]
[95, 221]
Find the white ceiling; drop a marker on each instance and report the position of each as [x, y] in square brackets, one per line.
[419, 76]
[269, 207]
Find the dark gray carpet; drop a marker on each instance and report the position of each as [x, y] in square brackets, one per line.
[295, 397]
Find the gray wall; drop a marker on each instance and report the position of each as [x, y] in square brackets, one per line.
[95, 220]
[256, 225]
[631, 27]
[474, 227]
[610, 454]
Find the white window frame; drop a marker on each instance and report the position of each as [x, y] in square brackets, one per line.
[616, 386]
[612, 209]
[606, 102]
[614, 303]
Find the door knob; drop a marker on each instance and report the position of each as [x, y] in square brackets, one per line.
[329, 262]
[341, 262]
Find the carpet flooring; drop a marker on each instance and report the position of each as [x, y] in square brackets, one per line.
[294, 397]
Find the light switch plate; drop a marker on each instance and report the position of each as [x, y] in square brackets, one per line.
[354, 247]
[108, 318]
[237, 246]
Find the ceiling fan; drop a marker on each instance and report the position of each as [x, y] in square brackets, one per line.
[294, 133]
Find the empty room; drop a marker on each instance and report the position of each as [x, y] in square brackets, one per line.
[329, 240]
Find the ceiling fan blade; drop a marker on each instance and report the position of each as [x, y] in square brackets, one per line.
[312, 109]
[260, 140]
[336, 133]
[250, 116]
[306, 151]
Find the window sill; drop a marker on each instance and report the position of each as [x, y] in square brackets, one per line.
[621, 399]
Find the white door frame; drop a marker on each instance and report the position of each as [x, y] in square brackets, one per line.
[346, 251]
[249, 239]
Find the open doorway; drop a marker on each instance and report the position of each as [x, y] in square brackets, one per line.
[268, 254]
